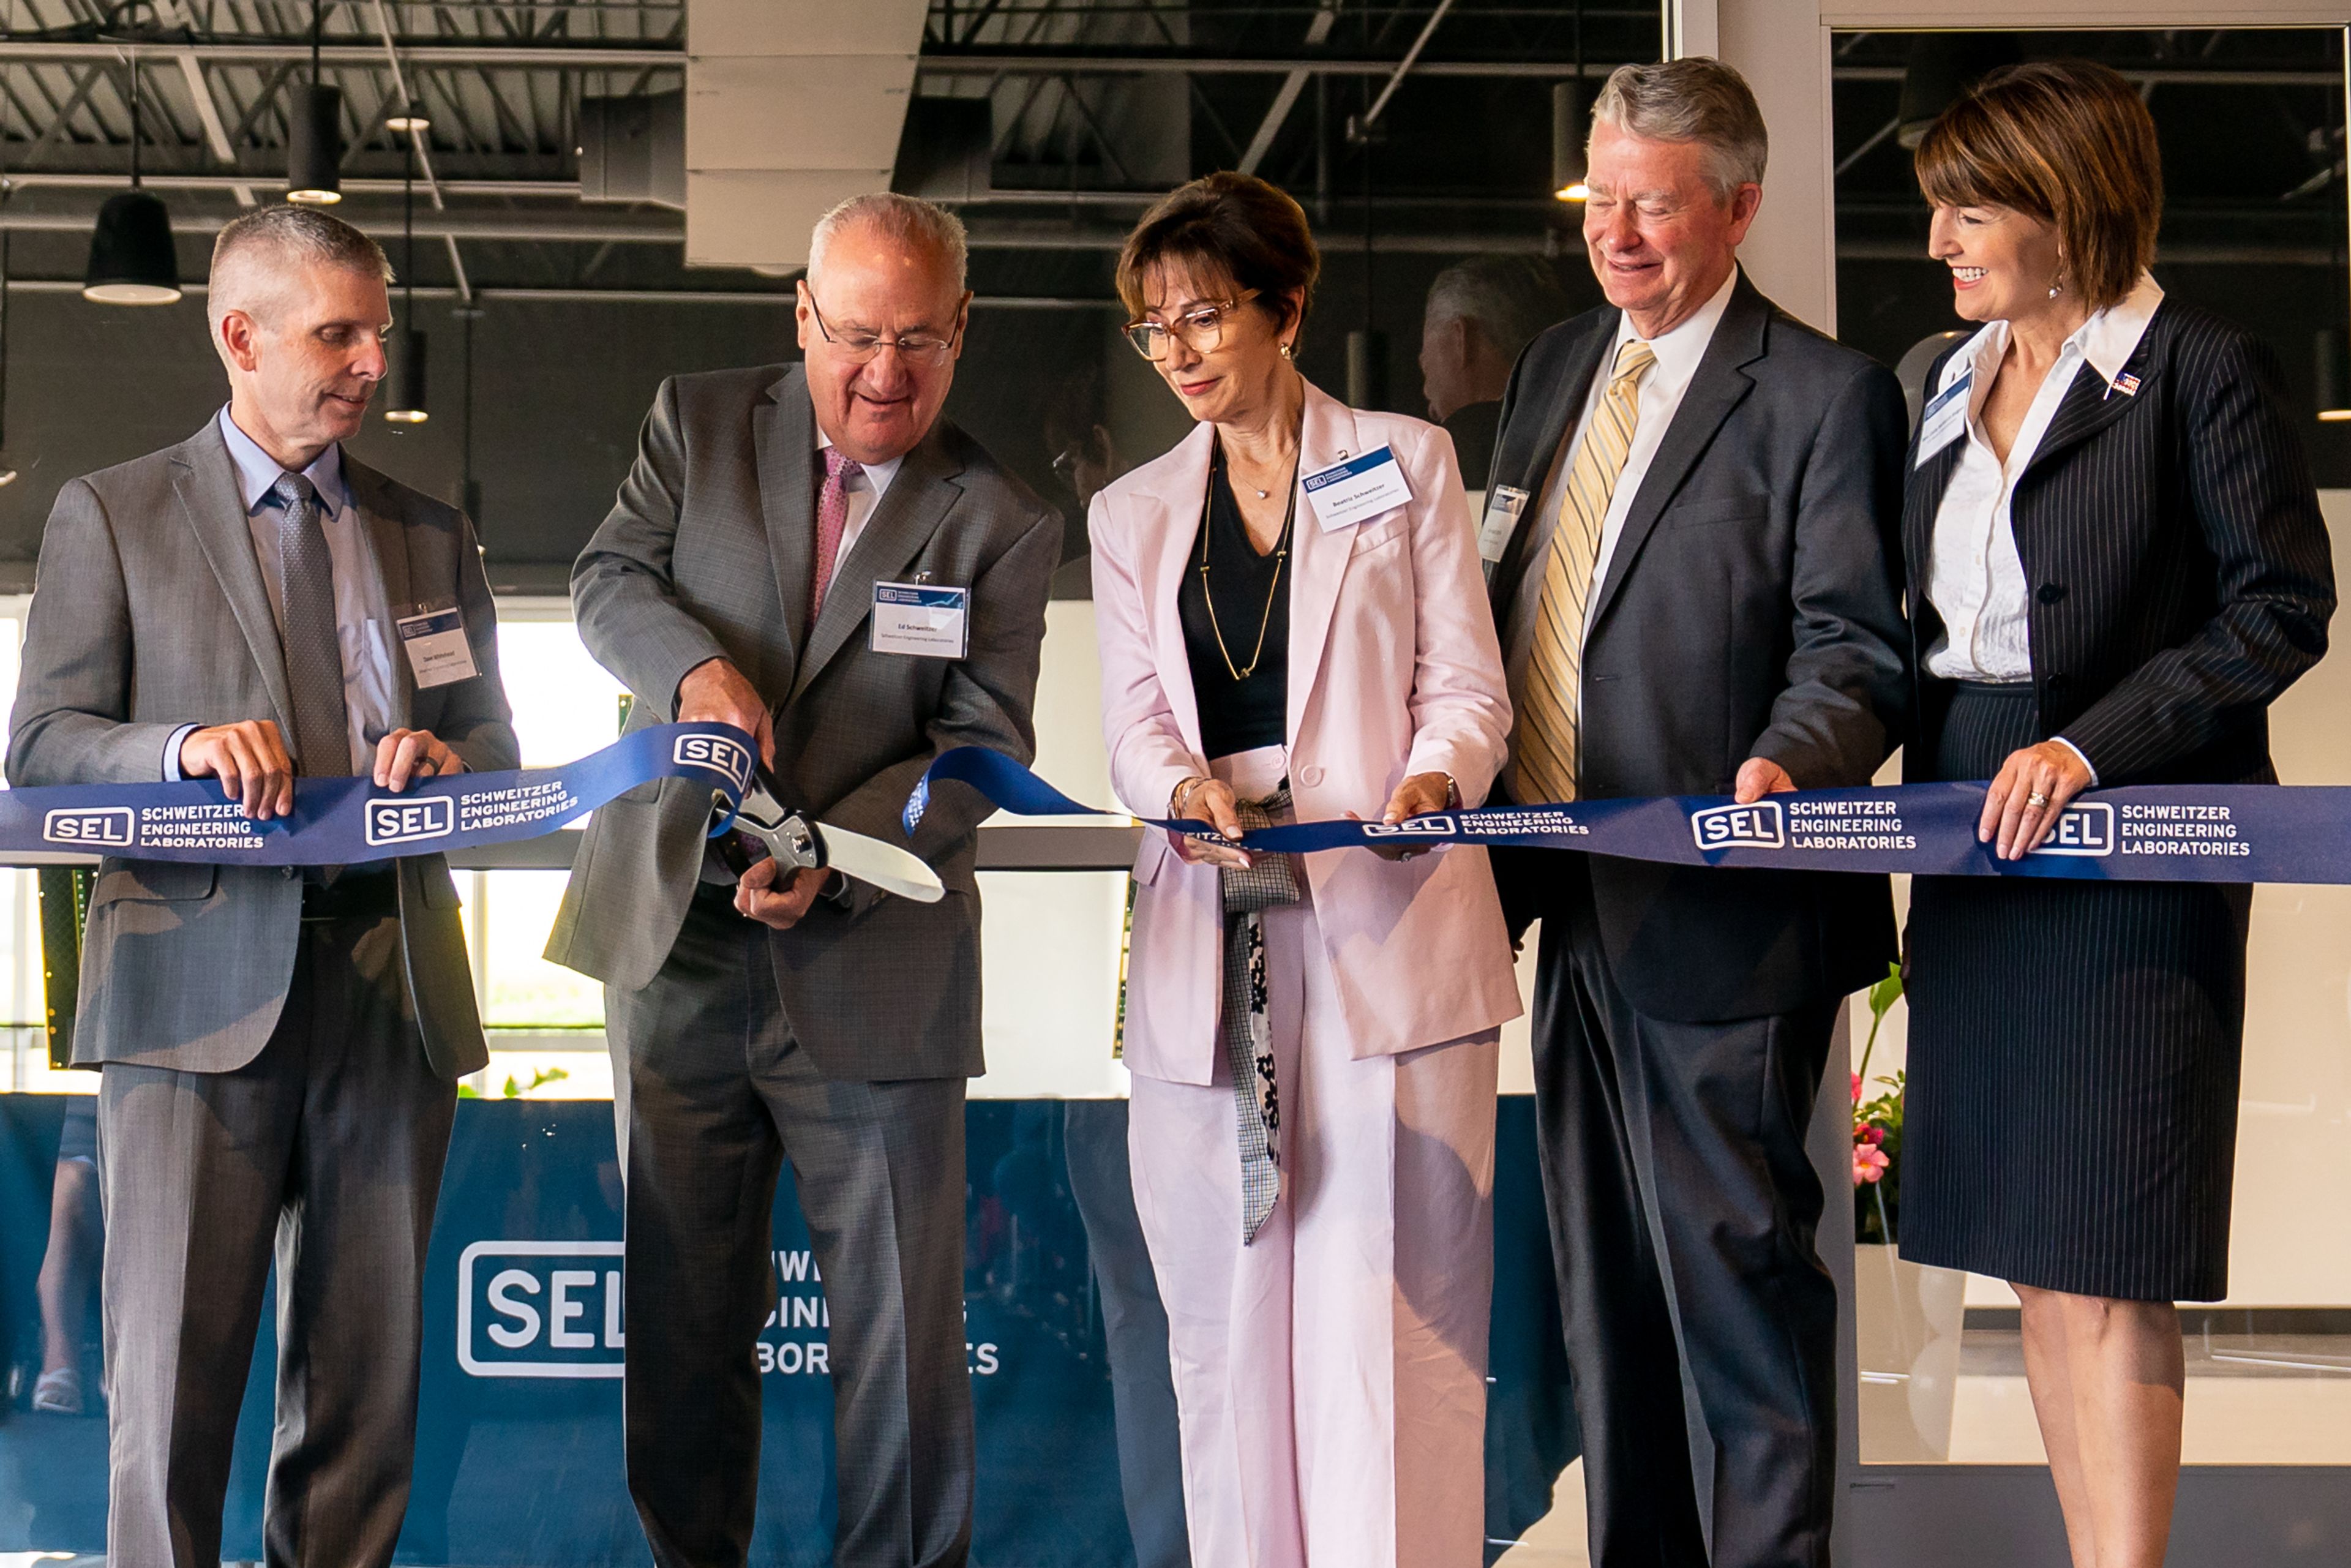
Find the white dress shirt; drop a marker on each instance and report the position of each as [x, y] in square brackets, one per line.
[1662, 387]
[1975, 578]
[363, 624]
[865, 483]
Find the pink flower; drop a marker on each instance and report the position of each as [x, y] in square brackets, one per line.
[1869, 1162]
[1856, 1088]
[1871, 1134]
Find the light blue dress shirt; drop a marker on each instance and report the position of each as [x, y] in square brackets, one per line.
[363, 624]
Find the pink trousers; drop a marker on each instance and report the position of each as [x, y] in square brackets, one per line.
[1331, 1375]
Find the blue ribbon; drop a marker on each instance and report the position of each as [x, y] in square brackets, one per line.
[2177, 832]
[347, 822]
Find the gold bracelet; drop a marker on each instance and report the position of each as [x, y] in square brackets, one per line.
[1183, 793]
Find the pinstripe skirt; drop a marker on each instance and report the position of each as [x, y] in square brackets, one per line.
[2073, 1060]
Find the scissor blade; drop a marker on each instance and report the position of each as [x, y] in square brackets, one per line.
[885, 866]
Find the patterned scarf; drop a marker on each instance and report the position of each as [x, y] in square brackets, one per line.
[1269, 881]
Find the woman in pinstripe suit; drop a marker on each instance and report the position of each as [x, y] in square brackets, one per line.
[2116, 562]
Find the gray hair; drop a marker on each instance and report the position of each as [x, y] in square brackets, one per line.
[1510, 297]
[906, 219]
[1696, 99]
[255, 253]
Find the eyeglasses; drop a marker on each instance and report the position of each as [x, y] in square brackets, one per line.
[861, 347]
[1201, 330]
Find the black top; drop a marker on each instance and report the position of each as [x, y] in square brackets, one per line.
[1250, 590]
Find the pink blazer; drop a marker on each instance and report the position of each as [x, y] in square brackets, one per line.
[1394, 670]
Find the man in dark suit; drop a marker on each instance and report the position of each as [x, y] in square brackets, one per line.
[814, 1021]
[280, 1048]
[1701, 595]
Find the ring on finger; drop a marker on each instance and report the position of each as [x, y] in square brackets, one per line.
[2036, 801]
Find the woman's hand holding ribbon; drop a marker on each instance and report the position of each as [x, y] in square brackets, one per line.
[2034, 789]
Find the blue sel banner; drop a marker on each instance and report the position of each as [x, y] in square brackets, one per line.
[2169, 832]
[518, 1451]
[345, 821]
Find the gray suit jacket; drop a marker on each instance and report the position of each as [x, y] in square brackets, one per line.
[709, 554]
[1752, 608]
[150, 614]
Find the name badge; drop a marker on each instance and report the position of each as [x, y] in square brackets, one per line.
[1346, 493]
[917, 618]
[438, 651]
[1946, 418]
[1504, 506]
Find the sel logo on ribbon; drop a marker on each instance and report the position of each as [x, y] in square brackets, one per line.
[408, 822]
[720, 754]
[2087, 829]
[1409, 827]
[1755, 826]
[111, 826]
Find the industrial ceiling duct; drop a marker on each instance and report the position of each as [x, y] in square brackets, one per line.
[633, 149]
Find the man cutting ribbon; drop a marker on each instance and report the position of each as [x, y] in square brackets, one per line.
[811, 554]
[280, 1047]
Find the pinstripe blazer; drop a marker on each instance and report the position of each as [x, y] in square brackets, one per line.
[708, 553]
[2179, 569]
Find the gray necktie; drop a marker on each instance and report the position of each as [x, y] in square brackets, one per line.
[314, 660]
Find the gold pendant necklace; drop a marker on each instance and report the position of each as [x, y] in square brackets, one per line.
[1280, 556]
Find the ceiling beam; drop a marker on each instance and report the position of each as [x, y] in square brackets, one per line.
[432, 56]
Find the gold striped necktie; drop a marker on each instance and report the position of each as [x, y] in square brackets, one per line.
[1551, 719]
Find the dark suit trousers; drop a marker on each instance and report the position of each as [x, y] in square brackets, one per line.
[326, 1148]
[1134, 1327]
[1700, 1322]
[713, 1095]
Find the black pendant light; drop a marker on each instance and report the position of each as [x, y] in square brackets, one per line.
[131, 257]
[407, 405]
[314, 133]
[7, 469]
[1569, 126]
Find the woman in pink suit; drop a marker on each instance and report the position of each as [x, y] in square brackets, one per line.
[1312, 1041]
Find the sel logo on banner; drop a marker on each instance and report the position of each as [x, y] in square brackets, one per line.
[110, 827]
[2087, 829]
[540, 1309]
[1755, 826]
[399, 821]
[717, 753]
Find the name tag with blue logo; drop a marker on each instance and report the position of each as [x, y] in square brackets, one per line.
[1346, 493]
[918, 619]
[1946, 418]
[438, 653]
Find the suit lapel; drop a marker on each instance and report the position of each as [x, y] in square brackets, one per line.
[204, 482]
[387, 537]
[1326, 436]
[1562, 405]
[1922, 497]
[1177, 535]
[911, 510]
[783, 437]
[2090, 405]
[1720, 385]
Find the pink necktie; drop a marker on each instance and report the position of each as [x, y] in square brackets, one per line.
[831, 517]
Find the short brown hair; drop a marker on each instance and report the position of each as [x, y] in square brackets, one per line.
[1232, 222]
[2068, 143]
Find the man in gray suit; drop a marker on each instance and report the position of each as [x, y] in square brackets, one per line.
[815, 1021]
[280, 1048]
